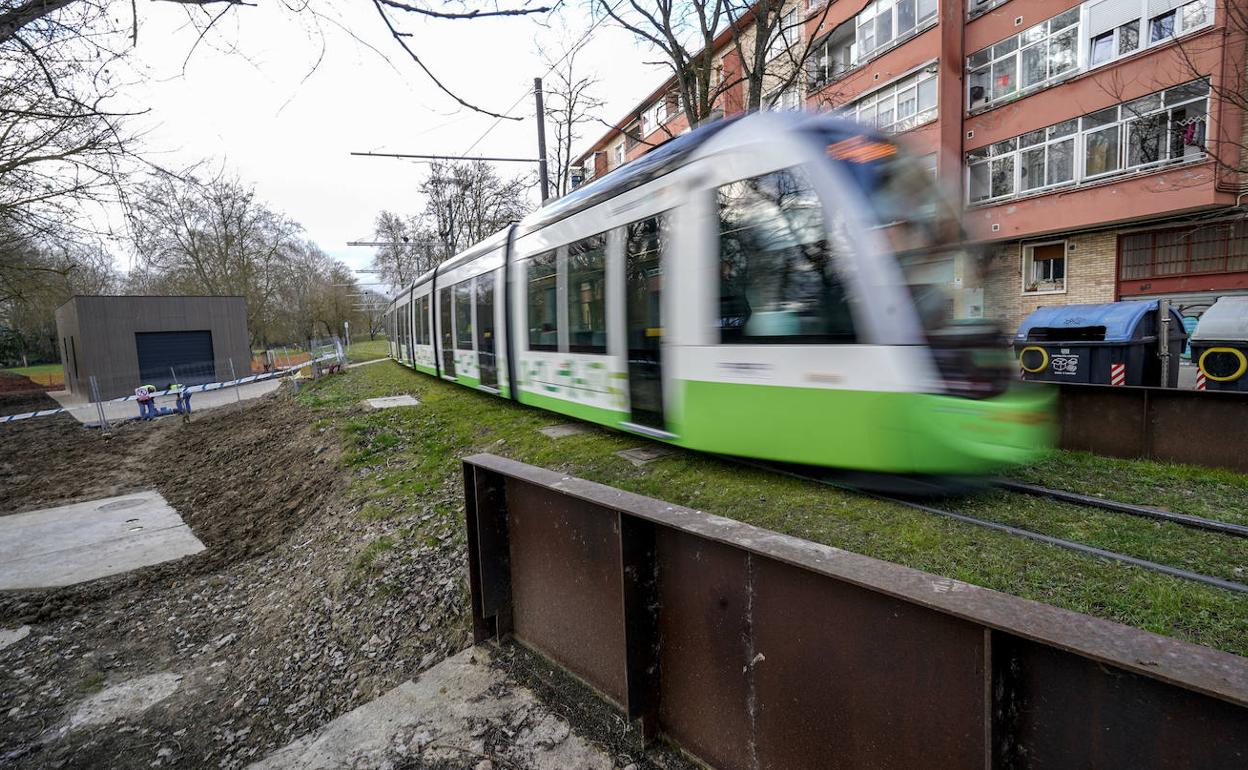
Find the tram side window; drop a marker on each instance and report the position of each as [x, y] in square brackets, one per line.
[543, 310]
[426, 336]
[463, 315]
[587, 310]
[778, 278]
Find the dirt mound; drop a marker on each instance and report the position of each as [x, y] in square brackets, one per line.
[275, 629]
[19, 394]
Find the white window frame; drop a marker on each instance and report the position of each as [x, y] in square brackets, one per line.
[867, 17]
[1144, 22]
[865, 109]
[1009, 53]
[1125, 115]
[1028, 267]
[787, 32]
[789, 98]
[620, 152]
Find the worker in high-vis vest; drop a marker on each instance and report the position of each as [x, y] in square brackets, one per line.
[183, 404]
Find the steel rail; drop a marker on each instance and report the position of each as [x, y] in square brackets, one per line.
[1183, 519]
[1070, 545]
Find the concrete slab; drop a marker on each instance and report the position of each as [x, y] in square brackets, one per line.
[11, 636]
[84, 541]
[85, 412]
[390, 402]
[462, 710]
[121, 700]
[563, 431]
[644, 454]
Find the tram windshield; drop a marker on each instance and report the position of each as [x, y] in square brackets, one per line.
[941, 272]
[924, 231]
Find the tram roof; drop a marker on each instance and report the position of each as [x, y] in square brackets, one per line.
[652, 165]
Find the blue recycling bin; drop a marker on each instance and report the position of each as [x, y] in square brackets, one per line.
[1115, 343]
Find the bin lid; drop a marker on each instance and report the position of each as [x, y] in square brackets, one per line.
[1118, 318]
[1226, 320]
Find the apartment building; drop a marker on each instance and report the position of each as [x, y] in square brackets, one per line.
[1096, 146]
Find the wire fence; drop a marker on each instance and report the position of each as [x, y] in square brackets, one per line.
[176, 386]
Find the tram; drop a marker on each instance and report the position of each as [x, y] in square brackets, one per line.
[781, 286]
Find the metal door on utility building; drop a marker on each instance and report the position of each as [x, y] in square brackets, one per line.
[185, 357]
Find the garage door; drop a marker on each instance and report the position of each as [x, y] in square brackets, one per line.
[184, 356]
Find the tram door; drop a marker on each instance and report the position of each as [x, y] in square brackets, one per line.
[486, 357]
[644, 286]
[448, 337]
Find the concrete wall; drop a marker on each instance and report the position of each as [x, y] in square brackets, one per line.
[105, 328]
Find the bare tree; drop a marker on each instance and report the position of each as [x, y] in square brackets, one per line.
[114, 24]
[770, 50]
[468, 202]
[570, 104]
[371, 307]
[53, 273]
[213, 237]
[409, 249]
[62, 149]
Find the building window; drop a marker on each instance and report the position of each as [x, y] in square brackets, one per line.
[1026, 61]
[789, 98]
[884, 22]
[543, 306]
[620, 151]
[784, 35]
[587, 310]
[1044, 268]
[1165, 127]
[779, 281]
[831, 57]
[928, 162]
[1215, 248]
[899, 106]
[1115, 27]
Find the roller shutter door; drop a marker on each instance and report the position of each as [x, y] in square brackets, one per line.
[188, 354]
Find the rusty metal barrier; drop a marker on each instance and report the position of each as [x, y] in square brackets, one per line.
[751, 649]
[1182, 426]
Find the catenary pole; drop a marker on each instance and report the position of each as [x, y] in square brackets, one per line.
[542, 172]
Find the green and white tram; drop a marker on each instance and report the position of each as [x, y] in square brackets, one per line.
[784, 287]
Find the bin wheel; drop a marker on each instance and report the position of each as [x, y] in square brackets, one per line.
[1044, 359]
[1239, 369]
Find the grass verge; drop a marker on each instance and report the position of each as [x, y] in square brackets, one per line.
[411, 456]
[367, 350]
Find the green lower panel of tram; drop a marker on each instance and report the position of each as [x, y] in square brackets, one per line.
[885, 432]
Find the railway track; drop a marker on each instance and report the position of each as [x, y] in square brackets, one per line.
[1197, 522]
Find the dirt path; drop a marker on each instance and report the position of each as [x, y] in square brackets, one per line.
[272, 630]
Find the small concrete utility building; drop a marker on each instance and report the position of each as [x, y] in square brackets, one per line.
[129, 341]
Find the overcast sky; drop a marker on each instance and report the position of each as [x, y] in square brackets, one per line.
[281, 120]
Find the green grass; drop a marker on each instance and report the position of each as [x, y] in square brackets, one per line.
[1208, 492]
[365, 558]
[408, 460]
[367, 350]
[35, 371]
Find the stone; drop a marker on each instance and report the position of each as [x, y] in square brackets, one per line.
[563, 431]
[438, 717]
[83, 541]
[642, 455]
[390, 402]
[11, 636]
[121, 700]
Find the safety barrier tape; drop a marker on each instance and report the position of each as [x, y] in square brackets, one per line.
[205, 387]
